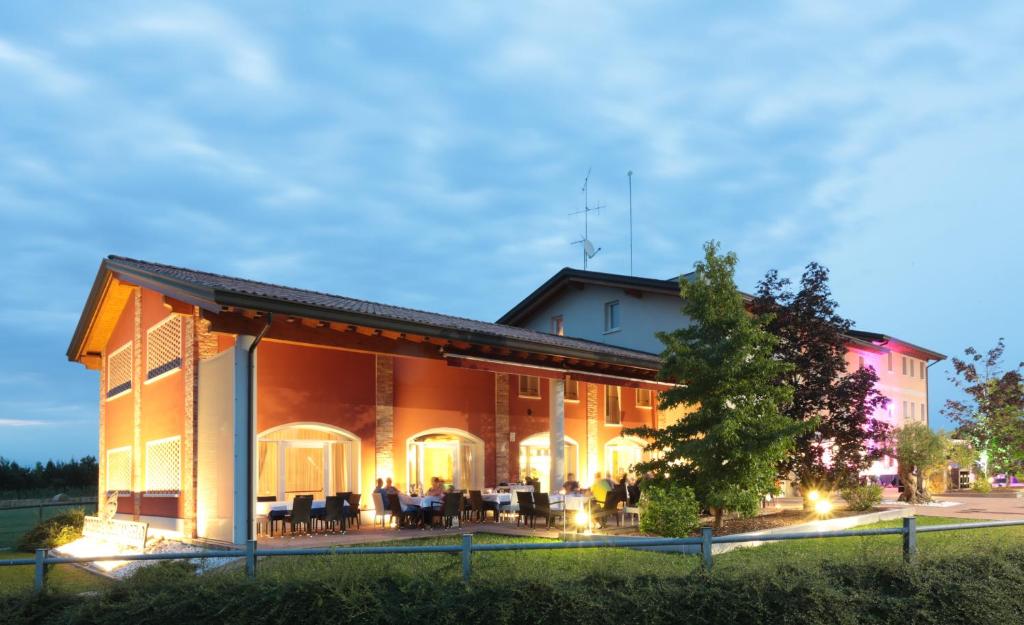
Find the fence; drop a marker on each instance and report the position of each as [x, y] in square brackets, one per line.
[39, 504]
[706, 542]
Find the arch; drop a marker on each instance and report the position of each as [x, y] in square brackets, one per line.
[622, 452]
[539, 463]
[338, 456]
[458, 461]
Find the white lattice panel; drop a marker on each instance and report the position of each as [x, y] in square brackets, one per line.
[119, 470]
[163, 465]
[119, 370]
[163, 347]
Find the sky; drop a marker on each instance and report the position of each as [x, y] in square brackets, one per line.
[432, 158]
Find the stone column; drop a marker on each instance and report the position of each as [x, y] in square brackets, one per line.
[190, 373]
[556, 428]
[591, 433]
[101, 490]
[501, 427]
[384, 436]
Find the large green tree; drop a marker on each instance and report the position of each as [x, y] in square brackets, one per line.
[838, 406]
[991, 413]
[728, 449]
[919, 451]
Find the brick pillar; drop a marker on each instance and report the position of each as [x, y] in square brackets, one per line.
[101, 489]
[384, 436]
[591, 432]
[206, 341]
[137, 485]
[501, 427]
[189, 459]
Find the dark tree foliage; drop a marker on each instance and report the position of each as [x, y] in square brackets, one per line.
[726, 450]
[843, 437]
[992, 414]
[52, 476]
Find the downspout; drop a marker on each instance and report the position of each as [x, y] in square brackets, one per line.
[250, 427]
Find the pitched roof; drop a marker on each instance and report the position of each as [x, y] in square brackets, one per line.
[213, 291]
[876, 338]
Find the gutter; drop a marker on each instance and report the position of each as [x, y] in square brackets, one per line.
[250, 427]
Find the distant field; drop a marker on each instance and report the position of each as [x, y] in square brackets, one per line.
[14, 523]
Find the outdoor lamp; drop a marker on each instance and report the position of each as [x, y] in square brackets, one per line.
[823, 507]
[582, 518]
[813, 495]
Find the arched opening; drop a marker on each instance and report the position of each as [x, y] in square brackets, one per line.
[306, 459]
[621, 453]
[455, 456]
[535, 459]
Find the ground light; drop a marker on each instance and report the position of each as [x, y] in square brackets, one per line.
[823, 507]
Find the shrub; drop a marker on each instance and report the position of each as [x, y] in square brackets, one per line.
[862, 498]
[981, 485]
[668, 510]
[60, 530]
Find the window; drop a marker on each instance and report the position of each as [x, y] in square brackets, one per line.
[572, 390]
[643, 397]
[923, 369]
[861, 361]
[119, 470]
[163, 466]
[905, 413]
[529, 386]
[913, 416]
[924, 413]
[119, 371]
[611, 316]
[904, 365]
[163, 347]
[612, 405]
[557, 325]
[890, 361]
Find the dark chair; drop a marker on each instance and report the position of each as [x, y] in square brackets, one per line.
[333, 516]
[344, 495]
[351, 512]
[542, 508]
[413, 516]
[610, 507]
[480, 507]
[301, 514]
[450, 508]
[633, 495]
[525, 513]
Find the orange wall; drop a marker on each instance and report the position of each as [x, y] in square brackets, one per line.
[894, 384]
[119, 411]
[430, 394]
[313, 384]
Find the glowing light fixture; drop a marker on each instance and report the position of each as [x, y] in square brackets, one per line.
[582, 518]
[823, 507]
[814, 495]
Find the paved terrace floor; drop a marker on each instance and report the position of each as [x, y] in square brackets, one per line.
[374, 535]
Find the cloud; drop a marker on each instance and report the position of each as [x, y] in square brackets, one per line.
[26, 423]
[39, 69]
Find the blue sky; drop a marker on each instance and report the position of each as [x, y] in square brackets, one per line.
[432, 158]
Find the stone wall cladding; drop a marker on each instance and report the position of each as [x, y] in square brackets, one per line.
[384, 437]
[592, 466]
[137, 406]
[190, 370]
[501, 426]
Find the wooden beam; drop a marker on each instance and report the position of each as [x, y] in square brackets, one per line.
[299, 334]
[177, 306]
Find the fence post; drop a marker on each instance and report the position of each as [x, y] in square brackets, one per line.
[467, 552]
[705, 547]
[40, 576]
[250, 558]
[909, 538]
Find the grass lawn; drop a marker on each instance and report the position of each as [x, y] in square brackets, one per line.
[14, 523]
[960, 577]
[61, 578]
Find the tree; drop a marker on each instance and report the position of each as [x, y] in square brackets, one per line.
[727, 449]
[991, 415]
[842, 437]
[918, 452]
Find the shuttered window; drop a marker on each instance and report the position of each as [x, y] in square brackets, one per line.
[119, 470]
[163, 347]
[119, 370]
[163, 466]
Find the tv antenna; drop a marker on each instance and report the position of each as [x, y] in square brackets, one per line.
[629, 174]
[589, 251]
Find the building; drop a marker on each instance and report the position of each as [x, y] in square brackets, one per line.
[217, 394]
[627, 311]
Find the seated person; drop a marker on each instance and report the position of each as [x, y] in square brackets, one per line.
[380, 487]
[408, 507]
[571, 485]
[436, 487]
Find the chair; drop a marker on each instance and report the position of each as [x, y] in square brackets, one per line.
[610, 507]
[480, 507]
[525, 512]
[403, 516]
[542, 508]
[301, 514]
[351, 512]
[450, 509]
[344, 495]
[380, 510]
[333, 514]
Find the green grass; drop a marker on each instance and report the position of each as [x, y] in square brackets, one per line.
[14, 523]
[972, 576]
[61, 578]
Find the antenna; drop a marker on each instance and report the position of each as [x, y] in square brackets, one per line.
[629, 174]
[588, 247]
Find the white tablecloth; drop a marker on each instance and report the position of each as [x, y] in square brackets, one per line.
[425, 501]
[500, 498]
[571, 502]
